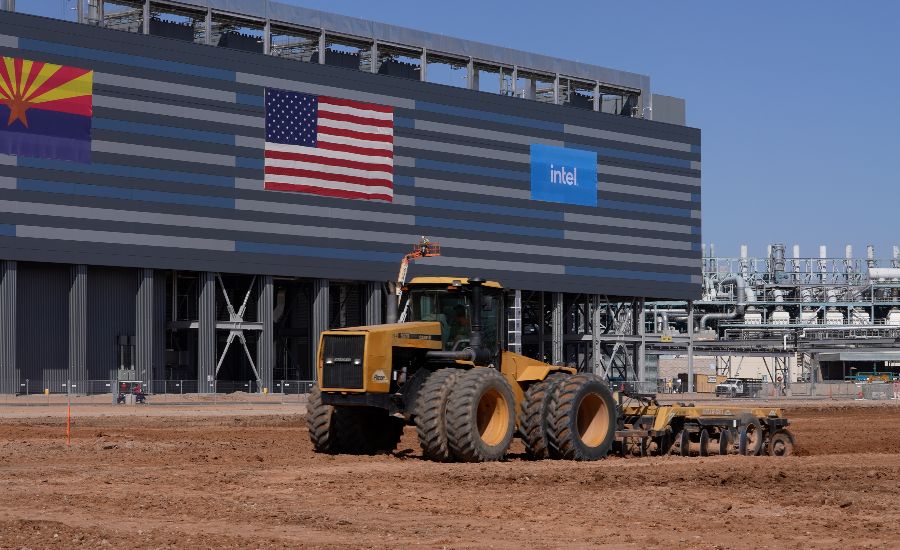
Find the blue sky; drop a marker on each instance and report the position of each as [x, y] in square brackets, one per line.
[801, 129]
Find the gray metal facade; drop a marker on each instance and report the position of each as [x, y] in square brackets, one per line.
[176, 178]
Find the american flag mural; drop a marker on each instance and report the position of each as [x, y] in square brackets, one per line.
[328, 146]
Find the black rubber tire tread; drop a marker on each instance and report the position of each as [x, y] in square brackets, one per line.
[563, 433]
[466, 444]
[745, 447]
[534, 418]
[319, 422]
[430, 419]
[384, 430]
[352, 431]
[703, 445]
[786, 438]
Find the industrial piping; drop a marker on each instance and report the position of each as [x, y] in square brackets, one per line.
[740, 293]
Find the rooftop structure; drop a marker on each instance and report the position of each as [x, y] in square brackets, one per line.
[315, 36]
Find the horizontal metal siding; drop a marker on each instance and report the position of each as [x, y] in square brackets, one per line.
[177, 168]
[42, 335]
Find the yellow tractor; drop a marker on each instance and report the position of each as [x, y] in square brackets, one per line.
[446, 372]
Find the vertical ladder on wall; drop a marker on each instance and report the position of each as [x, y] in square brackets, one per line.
[514, 323]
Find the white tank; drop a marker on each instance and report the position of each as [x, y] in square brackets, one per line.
[859, 316]
[893, 317]
[780, 317]
[834, 317]
[809, 317]
[753, 317]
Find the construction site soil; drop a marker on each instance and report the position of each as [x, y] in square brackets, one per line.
[229, 476]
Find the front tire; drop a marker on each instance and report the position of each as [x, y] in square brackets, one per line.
[431, 414]
[319, 418]
[582, 418]
[481, 416]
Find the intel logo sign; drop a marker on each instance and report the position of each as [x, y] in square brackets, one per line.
[563, 175]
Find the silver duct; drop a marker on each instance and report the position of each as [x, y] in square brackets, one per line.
[741, 293]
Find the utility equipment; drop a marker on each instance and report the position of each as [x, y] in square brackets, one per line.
[423, 249]
[447, 372]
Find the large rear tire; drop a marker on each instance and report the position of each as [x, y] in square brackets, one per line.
[481, 416]
[319, 422]
[534, 419]
[431, 409]
[582, 418]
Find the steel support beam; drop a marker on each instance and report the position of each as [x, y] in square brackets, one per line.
[423, 66]
[320, 303]
[597, 345]
[207, 26]
[9, 377]
[373, 303]
[558, 326]
[206, 333]
[265, 347]
[690, 350]
[640, 359]
[145, 337]
[78, 328]
[145, 20]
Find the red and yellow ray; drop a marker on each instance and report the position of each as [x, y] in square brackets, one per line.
[26, 84]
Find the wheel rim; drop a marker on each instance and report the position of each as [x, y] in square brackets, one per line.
[593, 420]
[492, 417]
[780, 446]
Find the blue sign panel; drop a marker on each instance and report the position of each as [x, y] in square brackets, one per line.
[563, 175]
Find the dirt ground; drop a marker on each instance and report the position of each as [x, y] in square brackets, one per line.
[168, 477]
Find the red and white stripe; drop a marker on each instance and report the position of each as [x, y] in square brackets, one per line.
[354, 157]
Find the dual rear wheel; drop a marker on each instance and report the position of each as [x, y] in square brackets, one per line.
[563, 416]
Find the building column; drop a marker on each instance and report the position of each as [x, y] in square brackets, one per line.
[9, 377]
[640, 366]
[206, 334]
[373, 303]
[265, 346]
[690, 350]
[145, 20]
[558, 329]
[145, 327]
[320, 304]
[78, 329]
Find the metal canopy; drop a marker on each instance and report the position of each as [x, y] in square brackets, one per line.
[437, 43]
[861, 355]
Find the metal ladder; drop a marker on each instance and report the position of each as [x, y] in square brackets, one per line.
[514, 323]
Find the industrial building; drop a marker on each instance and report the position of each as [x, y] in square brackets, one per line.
[788, 318]
[143, 238]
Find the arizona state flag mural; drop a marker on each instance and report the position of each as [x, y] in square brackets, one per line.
[45, 110]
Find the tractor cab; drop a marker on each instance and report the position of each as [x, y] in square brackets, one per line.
[449, 301]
